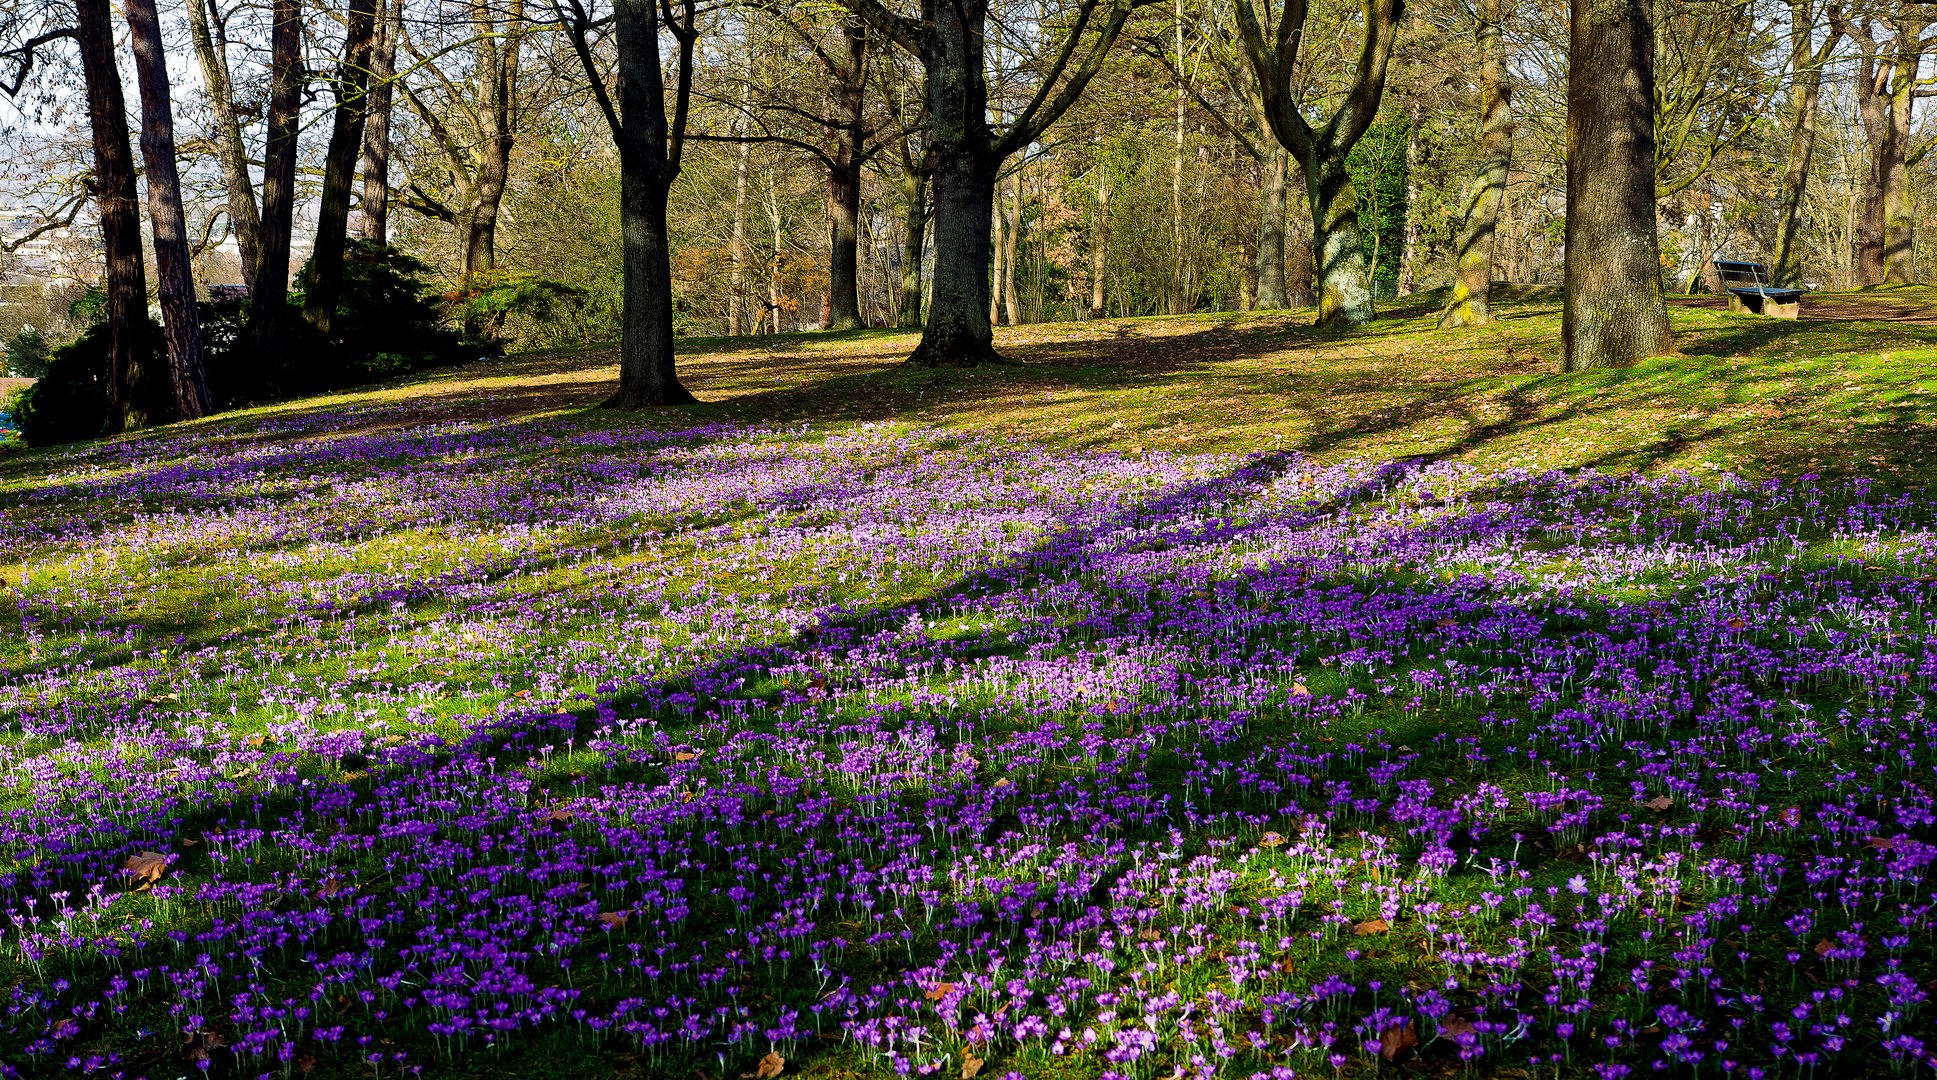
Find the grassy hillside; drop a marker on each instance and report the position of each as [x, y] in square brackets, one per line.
[1190, 697]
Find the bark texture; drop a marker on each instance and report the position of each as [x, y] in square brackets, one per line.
[1100, 243]
[1613, 313]
[844, 181]
[1886, 91]
[339, 166]
[245, 221]
[1470, 304]
[1271, 230]
[376, 127]
[914, 242]
[181, 324]
[114, 193]
[1343, 274]
[269, 297]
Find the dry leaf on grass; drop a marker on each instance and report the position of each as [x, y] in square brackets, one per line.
[1659, 803]
[202, 1044]
[1455, 1026]
[685, 755]
[614, 919]
[1271, 839]
[939, 991]
[770, 1066]
[145, 867]
[970, 1066]
[1396, 1040]
[1299, 689]
[1371, 926]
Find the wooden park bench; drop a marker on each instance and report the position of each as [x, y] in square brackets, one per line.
[1750, 291]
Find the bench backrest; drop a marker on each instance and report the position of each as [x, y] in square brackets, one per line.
[1742, 274]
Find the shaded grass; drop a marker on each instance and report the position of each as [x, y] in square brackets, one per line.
[1844, 395]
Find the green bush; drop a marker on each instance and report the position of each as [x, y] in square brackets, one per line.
[70, 401]
[387, 322]
[27, 354]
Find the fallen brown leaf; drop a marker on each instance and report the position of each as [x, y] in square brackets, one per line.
[1371, 926]
[1396, 1040]
[770, 1066]
[1824, 946]
[1659, 803]
[145, 867]
[1299, 689]
[1271, 839]
[685, 755]
[614, 919]
[970, 1066]
[202, 1044]
[939, 991]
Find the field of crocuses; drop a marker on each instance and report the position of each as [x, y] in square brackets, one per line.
[345, 748]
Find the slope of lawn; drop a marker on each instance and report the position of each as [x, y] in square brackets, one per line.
[1203, 696]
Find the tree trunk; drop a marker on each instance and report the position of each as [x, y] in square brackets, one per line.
[114, 193]
[647, 169]
[245, 220]
[1174, 302]
[1011, 306]
[1344, 274]
[844, 183]
[181, 324]
[998, 232]
[1409, 254]
[1271, 228]
[737, 246]
[339, 167]
[1805, 92]
[1899, 222]
[773, 268]
[1613, 313]
[376, 128]
[914, 194]
[958, 330]
[1100, 242]
[844, 235]
[499, 46]
[1479, 231]
[269, 297]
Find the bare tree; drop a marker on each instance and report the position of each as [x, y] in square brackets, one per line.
[651, 143]
[949, 40]
[352, 84]
[1344, 274]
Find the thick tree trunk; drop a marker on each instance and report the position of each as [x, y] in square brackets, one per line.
[1479, 231]
[1344, 273]
[376, 127]
[114, 193]
[844, 236]
[245, 220]
[958, 330]
[339, 167]
[1899, 223]
[269, 297]
[914, 195]
[499, 46]
[1805, 93]
[1271, 228]
[647, 169]
[844, 183]
[1613, 313]
[1100, 243]
[181, 325]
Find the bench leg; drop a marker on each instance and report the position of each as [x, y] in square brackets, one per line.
[1745, 305]
[1778, 310]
